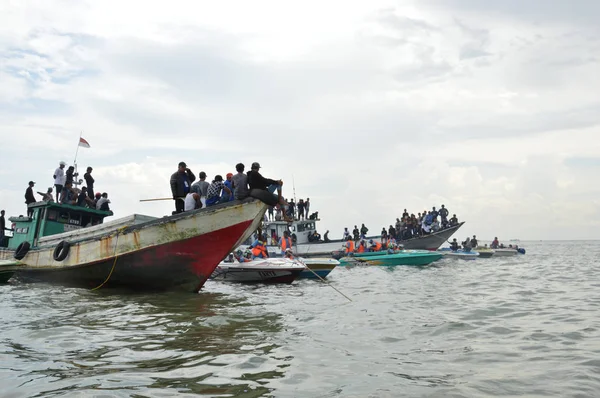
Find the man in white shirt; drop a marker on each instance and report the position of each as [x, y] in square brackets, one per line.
[59, 178]
[192, 202]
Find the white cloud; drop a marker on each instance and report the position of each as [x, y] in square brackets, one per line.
[370, 107]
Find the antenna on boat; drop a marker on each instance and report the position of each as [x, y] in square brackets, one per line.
[294, 187]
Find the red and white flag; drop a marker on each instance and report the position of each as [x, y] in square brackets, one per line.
[83, 143]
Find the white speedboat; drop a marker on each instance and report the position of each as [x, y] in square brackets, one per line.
[269, 270]
[505, 252]
[460, 254]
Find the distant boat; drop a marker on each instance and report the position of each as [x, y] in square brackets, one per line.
[304, 247]
[515, 240]
[459, 254]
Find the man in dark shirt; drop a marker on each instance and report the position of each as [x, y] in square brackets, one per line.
[181, 182]
[29, 198]
[89, 182]
[2, 228]
[257, 181]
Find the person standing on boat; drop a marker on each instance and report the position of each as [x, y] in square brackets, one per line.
[474, 242]
[285, 242]
[59, 178]
[363, 231]
[181, 182]
[257, 181]
[495, 243]
[29, 198]
[240, 185]
[306, 207]
[356, 233]
[2, 227]
[300, 206]
[444, 215]
[89, 182]
[70, 175]
[346, 234]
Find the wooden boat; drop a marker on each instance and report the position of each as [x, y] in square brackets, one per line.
[405, 257]
[320, 266]
[304, 248]
[72, 245]
[270, 270]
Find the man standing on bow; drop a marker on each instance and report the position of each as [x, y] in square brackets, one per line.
[181, 181]
[59, 178]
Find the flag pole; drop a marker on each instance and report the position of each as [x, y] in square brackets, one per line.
[75, 160]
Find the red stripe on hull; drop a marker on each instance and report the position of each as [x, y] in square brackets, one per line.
[184, 264]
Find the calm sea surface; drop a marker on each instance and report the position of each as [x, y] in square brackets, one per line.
[520, 326]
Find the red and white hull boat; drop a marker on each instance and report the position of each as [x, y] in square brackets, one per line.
[143, 253]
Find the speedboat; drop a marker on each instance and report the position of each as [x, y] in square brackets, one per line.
[319, 266]
[268, 270]
[505, 252]
[381, 258]
[485, 252]
[460, 254]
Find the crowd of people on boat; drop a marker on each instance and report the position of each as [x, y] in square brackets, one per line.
[67, 190]
[409, 226]
[473, 244]
[189, 195]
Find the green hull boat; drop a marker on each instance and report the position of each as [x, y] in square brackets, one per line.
[406, 257]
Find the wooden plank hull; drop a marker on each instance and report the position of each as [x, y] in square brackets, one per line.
[175, 252]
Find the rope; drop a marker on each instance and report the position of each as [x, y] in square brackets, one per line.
[323, 280]
[119, 231]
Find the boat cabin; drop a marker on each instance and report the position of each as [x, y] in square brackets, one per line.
[301, 229]
[50, 218]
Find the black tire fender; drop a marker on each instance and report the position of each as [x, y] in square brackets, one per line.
[22, 250]
[61, 251]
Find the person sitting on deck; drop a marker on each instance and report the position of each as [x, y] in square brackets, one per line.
[84, 200]
[47, 197]
[467, 245]
[259, 250]
[362, 247]
[454, 245]
[103, 202]
[227, 197]
[314, 237]
[435, 225]
[257, 181]
[285, 242]
[375, 246]
[213, 195]
[68, 195]
[349, 246]
[453, 220]
[192, 202]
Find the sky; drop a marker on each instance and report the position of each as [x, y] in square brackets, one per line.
[367, 108]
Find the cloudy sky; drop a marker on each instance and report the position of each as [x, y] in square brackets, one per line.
[369, 107]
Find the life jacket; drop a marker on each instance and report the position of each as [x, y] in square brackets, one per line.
[349, 247]
[259, 251]
[377, 246]
[361, 248]
[285, 243]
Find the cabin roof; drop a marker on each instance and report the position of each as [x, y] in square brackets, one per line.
[81, 209]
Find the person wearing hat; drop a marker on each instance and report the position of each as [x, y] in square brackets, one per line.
[257, 181]
[59, 178]
[29, 198]
[181, 182]
[213, 195]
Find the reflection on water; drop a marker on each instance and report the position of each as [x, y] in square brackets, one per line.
[57, 340]
[515, 326]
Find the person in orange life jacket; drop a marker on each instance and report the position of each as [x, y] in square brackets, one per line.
[259, 250]
[349, 245]
[257, 181]
[375, 246]
[285, 242]
[361, 247]
[181, 182]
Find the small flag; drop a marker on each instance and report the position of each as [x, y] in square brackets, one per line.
[83, 143]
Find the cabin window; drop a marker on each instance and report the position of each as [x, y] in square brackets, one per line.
[52, 215]
[301, 227]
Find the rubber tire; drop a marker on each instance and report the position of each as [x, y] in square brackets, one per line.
[61, 251]
[22, 250]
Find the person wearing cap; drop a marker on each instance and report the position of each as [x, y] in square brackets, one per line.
[29, 198]
[181, 183]
[225, 197]
[474, 242]
[213, 195]
[257, 181]
[89, 182]
[59, 178]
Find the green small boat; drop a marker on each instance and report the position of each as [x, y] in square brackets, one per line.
[405, 257]
[7, 269]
